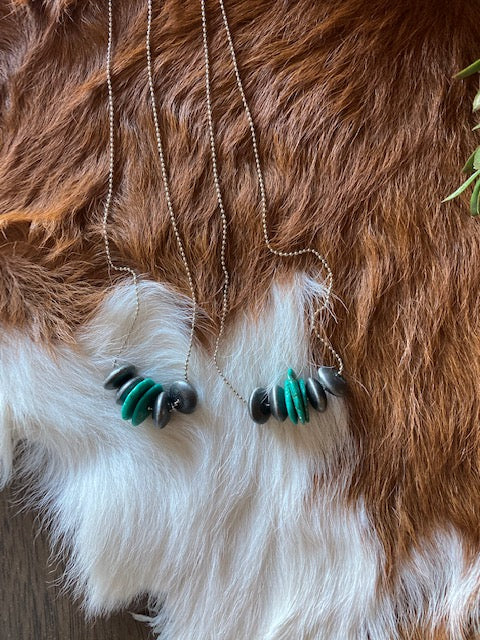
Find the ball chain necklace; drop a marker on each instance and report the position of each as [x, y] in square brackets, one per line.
[141, 397]
[294, 397]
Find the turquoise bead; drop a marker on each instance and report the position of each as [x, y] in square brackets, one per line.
[296, 395]
[303, 391]
[145, 405]
[134, 396]
[292, 414]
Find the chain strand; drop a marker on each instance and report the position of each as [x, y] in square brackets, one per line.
[108, 200]
[263, 202]
[284, 254]
[223, 216]
[166, 189]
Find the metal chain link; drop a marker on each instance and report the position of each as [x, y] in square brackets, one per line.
[223, 216]
[108, 200]
[166, 189]
[107, 207]
[263, 202]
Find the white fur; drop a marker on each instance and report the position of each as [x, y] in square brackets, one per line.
[441, 584]
[213, 516]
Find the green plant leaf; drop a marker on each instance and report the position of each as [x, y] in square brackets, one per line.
[474, 199]
[469, 71]
[468, 167]
[476, 102]
[476, 127]
[476, 159]
[462, 187]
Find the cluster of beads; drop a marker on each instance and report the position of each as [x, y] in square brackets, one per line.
[293, 398]
[142, 397]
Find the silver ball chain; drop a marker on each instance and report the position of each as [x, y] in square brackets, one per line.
[166, 189]
[165, 186]
[108, 200]
[263, 203]
[223, 216]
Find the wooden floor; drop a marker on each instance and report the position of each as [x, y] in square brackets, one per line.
[31, 607]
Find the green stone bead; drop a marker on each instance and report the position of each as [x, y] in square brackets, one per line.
[296, 395]
[303, 391]
[134, 396]
[292, 414]
[145, 405]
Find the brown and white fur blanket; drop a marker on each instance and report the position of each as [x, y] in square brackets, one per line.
[363, 524]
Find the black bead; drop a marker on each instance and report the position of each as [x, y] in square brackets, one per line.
[276, 400]
[125, 389]
[316, 394]
[183, 396]
[161, 410]
[332, 381]
[258, 406]
[119, 376]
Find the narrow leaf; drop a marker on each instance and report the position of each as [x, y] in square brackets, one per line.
[462, 187]
[469, 71]
[469, 168]
[476, 127]
[476, 159]
[474, 199]
[476, 102]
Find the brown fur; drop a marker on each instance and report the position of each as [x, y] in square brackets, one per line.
[438, 633]
[362, 132]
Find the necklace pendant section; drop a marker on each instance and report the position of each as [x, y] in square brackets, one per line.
[296, 396]
[141, 397]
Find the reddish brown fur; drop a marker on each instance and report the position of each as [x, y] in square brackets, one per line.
[427, 633]
[362, 132]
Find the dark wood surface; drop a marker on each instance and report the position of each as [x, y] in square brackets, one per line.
[31, 605]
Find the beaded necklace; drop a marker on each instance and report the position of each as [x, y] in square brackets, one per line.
[294, 397]
[141, 397]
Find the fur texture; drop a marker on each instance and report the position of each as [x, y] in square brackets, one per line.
[213, 517]
[362, 131]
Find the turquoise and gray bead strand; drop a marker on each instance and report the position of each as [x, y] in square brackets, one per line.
[294, 398]
[141, 397]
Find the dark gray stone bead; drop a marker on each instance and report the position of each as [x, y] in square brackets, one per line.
[316, 394]
[161, 410]
[258, 406]
[183, 396]
[276, 400]
[125, 389]
[332, 381]
[119, 376]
